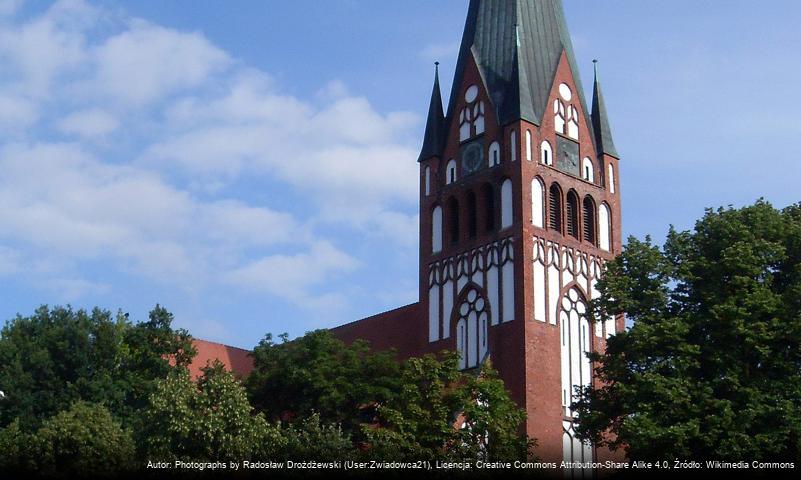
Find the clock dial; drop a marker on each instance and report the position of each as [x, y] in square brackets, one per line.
[472, 157]
[567, 156]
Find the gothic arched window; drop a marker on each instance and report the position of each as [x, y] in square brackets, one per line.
[453, 219]
[494, 156]
[589, 220]
[572, 212]
[489, 207]
[611, 178]
[472, 329]
[471, 214]
[546, 153]
[604, 227]
[450, 172]
[537, 203]
[555, 208]
[587, 170]
[436, 229]
[506, 203]
[513, 145]
[528, 145]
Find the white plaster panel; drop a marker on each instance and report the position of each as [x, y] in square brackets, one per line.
[433, 313]
[508, 285]
[539, 291]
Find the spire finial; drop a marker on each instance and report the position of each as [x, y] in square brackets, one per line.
[595, 66]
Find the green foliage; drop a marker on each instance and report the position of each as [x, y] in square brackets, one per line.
[210, 419]
[82, 441]
[13, 442]
[56, 357]
[712, 365]
[317, 374]
[309, 439]
[443, 413]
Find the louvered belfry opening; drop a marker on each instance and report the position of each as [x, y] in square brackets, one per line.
[572, 215]
[589, 220]
[471, 215]
[555, 208]
[453, 219]
[489, 207]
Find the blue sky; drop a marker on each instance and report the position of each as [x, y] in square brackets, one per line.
[251, 165]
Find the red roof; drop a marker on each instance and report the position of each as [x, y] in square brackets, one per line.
[237, 360]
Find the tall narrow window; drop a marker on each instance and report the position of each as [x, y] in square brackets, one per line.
[450, 172]
[428, 181]
[587, 170]
[494, 156]
[589, 220]
[604, 227]
[506, 203]
[471, 214]
[453, 219]
[489, 207]
[572, 215]
[528, 145]
[611, 178]
[436, 229]
[513, 146]
[537, 210]
[546, 153]
[555, 208]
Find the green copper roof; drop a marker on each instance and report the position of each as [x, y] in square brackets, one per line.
[434, 138]
[600, 121]
[517, 45]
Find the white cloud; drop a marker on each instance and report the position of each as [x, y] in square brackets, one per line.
[343, 152]
[147, 62]
[291, 276]
[89, 123]
[190, 125]
[16, 112]
[47, 46]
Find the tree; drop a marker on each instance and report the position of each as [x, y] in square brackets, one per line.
[441, 412]
[318, 374]
[712, 365]
[210, 419]
[82, 441]
[59, 356]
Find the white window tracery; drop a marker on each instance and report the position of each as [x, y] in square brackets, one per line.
[472, 329]
[471, 118]
[565, 113]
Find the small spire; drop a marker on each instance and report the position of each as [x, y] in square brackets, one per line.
[600, 121]
[435, 124]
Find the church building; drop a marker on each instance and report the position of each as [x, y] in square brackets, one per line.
[519, 211]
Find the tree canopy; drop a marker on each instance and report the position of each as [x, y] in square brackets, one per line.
[711, 367]
[59, 356]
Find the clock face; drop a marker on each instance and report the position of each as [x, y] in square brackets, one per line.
[567, 159]
[472, 157]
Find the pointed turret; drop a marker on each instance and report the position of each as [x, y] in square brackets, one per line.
[517, 45]
[600, 122]
[435, 125]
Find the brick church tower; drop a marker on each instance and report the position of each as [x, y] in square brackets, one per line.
[519, 211]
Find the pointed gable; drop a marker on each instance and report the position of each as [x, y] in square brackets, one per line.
[517, 45]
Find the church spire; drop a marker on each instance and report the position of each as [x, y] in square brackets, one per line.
[435, 125]
[517, 45]
[600, 121]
